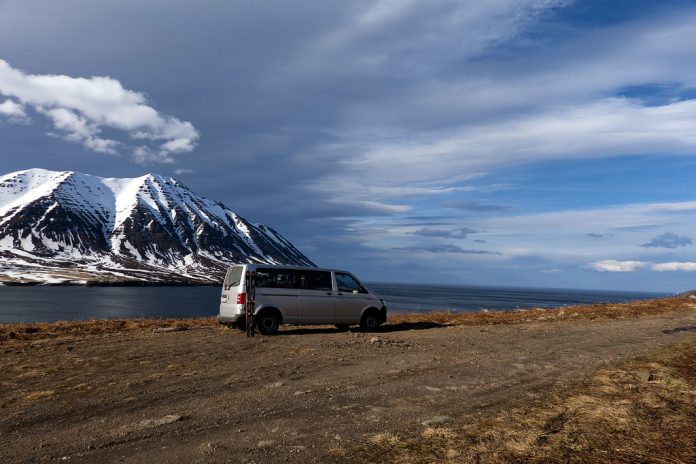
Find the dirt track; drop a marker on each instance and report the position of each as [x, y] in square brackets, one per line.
[295, 397]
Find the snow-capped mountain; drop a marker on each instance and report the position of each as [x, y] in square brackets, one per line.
[68, 226]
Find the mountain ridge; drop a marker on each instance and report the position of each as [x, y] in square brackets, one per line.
[66, 226]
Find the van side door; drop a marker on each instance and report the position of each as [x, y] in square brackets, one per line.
[278, 288]
[315, 297]
[351, 299]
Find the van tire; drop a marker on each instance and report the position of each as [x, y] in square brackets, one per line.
[370, 321]
[241, 324]
[267, 322]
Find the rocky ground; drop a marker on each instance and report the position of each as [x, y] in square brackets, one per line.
[492, 389]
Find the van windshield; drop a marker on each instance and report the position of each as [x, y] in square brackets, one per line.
[233, 277]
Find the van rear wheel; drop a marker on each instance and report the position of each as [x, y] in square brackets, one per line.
[241, 324]
[267, 323]
[369, 321]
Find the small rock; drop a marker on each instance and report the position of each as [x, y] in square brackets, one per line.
[265, 443]
[168, 419]
[375, 340]
[433, 389]
[275, 385]
[644, 375]
[692, 296]
[437, 420]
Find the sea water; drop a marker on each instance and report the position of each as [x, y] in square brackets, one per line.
[53, 303]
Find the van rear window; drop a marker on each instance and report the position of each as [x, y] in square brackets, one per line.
[233, 277]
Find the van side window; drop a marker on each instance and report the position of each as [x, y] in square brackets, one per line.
[346, 283]
[275, 278]
[315, 280]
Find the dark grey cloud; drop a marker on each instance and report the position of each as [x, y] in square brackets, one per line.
[667, 240]
[475, 206]
[461, 232]
[444, 248]
[594, 235]
[480, 241]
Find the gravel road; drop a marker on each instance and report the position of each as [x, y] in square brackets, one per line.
[213, 395]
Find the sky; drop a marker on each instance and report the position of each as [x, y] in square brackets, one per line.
[529, 143]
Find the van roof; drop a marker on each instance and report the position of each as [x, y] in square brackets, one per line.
[286, 266]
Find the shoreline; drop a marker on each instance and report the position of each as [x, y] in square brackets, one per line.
[599, 311]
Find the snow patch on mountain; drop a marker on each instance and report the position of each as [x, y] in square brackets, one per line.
[68, 225]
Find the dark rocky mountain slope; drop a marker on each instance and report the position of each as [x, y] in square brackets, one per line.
[70, 227]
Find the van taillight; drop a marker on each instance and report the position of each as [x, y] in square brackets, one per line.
[241, 298]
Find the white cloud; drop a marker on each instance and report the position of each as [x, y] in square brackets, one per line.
[14, 111]
[559, 238]
[675, 266]
[605, 128]
[145, 155]
[612, 265]
[450, 114]
[182, 171]
[80, 108]
[79, 129]
[405, 34]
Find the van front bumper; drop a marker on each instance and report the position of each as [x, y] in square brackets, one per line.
[383, 315]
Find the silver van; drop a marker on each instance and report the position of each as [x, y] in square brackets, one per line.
[297, 295]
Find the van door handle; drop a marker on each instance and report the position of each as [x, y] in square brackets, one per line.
[340, 294]
[329, 293]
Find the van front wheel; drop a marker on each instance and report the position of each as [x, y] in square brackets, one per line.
[267, 323]
[369, 321]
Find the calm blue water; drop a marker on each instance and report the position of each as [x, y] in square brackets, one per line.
[43, 304]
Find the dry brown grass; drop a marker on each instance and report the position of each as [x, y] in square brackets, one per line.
[34, 331]
[615, 416]
[595, 311]
[39, 395]
[95, 327]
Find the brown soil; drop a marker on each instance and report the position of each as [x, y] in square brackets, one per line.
[531, 385]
